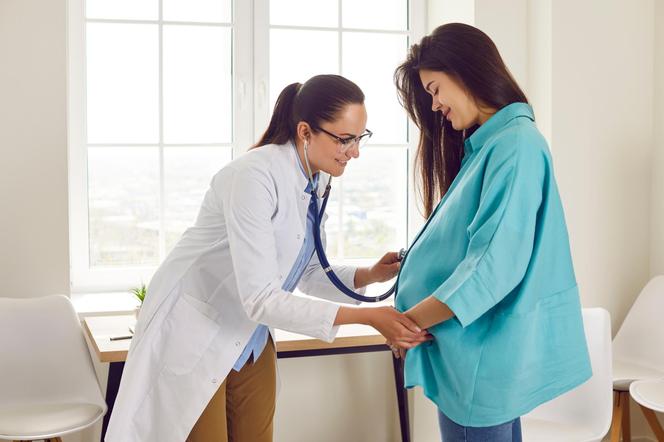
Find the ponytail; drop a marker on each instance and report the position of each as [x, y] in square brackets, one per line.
[280, 130]
[319, 99]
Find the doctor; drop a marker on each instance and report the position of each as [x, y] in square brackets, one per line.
[202, 363]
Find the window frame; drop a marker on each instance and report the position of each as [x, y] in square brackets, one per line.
[250, 80]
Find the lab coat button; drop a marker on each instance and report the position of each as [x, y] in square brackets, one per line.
[299, 236]
[214, 380]
[303, 197]
[237, 344]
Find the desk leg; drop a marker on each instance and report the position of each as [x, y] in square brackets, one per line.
[112, 387]
[402, 399]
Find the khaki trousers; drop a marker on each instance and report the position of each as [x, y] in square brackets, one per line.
[242, 409]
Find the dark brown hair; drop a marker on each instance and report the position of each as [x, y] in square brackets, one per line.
[319, 99]
[470, 57]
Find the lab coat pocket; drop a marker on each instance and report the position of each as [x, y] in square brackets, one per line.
[188, 332]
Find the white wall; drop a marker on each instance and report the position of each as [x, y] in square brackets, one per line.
[34, 244]
[539, 63]
[337, 398]
[600, 89]
[506, 22]
[33, 148]
[657, 199]
[602, 125]
[657, 165]
[449, 11]
[602, 83]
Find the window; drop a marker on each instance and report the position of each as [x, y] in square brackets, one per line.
[165, 93]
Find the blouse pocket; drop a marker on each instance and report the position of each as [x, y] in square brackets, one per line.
[188, 332]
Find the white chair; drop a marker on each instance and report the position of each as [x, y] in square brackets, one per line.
[584, 413]
[649, 395]
[638, 351]
[48, 385]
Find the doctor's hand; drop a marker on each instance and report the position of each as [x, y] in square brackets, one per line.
[398, 329]
[399, 353]
[385, 269]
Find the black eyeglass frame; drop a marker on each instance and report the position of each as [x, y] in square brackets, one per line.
[347, 143]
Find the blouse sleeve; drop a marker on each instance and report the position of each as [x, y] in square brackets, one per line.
[501, 234]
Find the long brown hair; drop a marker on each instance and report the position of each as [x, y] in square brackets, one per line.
[319, 99]
[470, 57]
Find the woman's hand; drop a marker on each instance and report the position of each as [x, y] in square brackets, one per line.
[400, 331]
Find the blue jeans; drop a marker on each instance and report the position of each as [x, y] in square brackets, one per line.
[453, 432]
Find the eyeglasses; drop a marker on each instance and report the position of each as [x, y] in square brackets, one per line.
[348, 143]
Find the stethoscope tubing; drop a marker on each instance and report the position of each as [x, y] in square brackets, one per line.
[318, 243]
[322, 258]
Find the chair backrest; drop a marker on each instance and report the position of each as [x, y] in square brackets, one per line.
[590, 404]
[44, 358]
[640, 339]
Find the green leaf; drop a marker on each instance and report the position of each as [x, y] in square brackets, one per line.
[140, 292]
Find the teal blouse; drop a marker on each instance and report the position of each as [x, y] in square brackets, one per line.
[496, 251]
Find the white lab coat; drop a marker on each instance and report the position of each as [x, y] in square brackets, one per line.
[221, 280]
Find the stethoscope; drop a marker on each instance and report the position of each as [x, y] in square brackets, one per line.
[318, 243]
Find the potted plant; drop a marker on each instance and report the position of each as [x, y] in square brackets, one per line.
[139, 293]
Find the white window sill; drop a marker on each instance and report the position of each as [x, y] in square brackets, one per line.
[103, 304]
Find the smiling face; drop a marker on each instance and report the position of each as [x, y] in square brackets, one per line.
[450, 98]
[324, 151]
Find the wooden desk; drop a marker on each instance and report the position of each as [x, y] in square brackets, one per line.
[350, 339]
